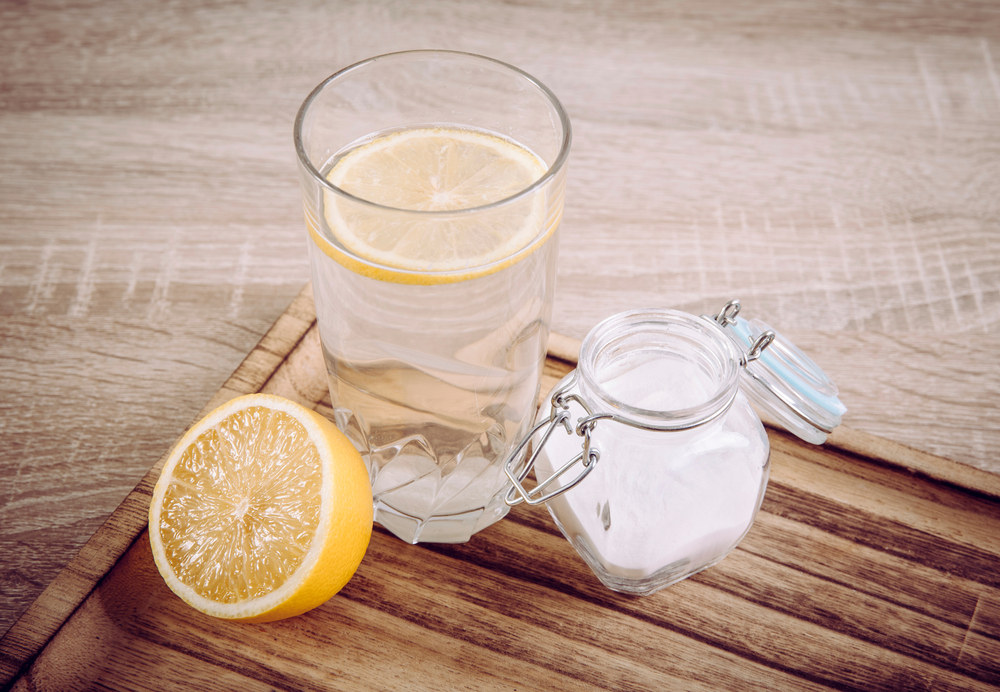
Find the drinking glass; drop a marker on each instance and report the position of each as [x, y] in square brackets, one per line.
[434, 360]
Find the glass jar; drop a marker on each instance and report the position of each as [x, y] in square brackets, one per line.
[669, 460]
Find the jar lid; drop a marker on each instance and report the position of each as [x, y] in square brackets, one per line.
[781, 380]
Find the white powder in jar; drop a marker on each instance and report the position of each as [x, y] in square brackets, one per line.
[658, 499]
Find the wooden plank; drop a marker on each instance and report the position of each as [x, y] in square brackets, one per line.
[858, 574]
[845, 656]
[895, 498]
[867, 571]
[918, 462]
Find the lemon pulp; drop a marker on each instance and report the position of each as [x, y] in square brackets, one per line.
[440, 169]
[242, 507]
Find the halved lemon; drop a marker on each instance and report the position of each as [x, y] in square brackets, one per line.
[434, 170]
[262, 511]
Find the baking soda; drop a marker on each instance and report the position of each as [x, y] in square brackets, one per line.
[661, 500]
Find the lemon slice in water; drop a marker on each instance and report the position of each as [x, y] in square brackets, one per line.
[436, 170]
[262, 511]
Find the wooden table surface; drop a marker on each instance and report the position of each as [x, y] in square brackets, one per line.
[835, 166]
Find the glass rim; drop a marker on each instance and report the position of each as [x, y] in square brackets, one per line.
[601, 336]
[550, 173]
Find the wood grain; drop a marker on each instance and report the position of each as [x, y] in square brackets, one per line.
[833, 165]
[858, 574]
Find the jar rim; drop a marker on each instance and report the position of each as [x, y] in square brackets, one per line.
[668, 325]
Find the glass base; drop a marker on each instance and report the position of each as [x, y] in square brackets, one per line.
[449, 528]
[421, 501]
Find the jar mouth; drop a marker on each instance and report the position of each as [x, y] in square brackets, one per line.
[660, 367]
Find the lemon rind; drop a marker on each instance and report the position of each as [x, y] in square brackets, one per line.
[399, 275]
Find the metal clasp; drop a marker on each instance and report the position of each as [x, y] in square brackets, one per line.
[727, 316]
[558, 415]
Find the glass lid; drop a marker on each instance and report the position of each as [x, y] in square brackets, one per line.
[781, 380]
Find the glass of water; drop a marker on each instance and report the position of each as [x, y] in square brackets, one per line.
[433, 186]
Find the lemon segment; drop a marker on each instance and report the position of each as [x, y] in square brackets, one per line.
[446, 170]
[262, 511]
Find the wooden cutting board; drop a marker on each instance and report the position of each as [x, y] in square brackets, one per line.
[871, 566]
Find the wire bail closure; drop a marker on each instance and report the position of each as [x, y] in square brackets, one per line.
[559, 414]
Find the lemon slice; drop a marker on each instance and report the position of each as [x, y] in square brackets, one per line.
[262, 511]
[435, 170]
